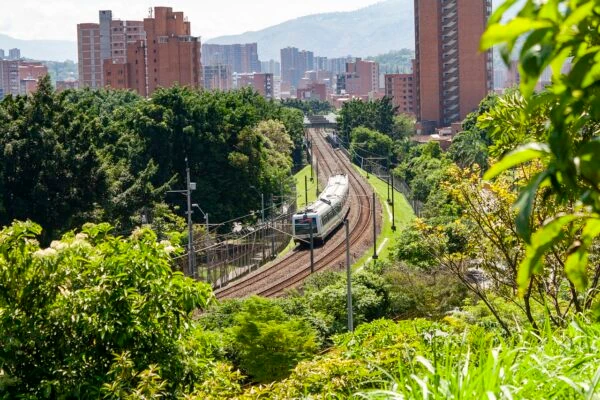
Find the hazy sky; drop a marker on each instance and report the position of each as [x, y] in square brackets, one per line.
[57, 19]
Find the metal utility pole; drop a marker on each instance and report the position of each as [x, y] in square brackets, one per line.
[393, 204]
[387, 165]
[272, 230]
[262, 223]
[388, 188]
[317, 185]
[375, 257]
[305, 192]
[349, 277]
[312, 178]
[207, 246]
[312, 247]
[190, 186]
[206, 240]
[262, 208]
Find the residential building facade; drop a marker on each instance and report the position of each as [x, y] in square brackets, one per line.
[452, 76]
[218, 77]
[139, 55]
[243, 58]
[19, 77]
[88, 49]
[261, 82]
[401, 89]
[360, 79]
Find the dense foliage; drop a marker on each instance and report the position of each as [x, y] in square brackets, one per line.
[107, 155]
[377, 115]
[309, 107]
[73, 315]
[505, 271]
[566, 145]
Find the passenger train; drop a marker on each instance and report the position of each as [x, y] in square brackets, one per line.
[327, 213]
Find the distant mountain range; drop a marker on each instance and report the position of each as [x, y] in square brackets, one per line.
[51, 50]
[368, 31]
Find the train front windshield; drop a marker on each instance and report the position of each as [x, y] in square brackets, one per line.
[302, 226]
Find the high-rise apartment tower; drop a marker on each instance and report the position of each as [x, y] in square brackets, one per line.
[452, 75]
[243, 58]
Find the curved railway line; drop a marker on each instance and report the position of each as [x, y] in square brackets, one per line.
[289, 271]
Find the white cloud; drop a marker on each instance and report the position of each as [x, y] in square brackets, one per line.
[57, 19]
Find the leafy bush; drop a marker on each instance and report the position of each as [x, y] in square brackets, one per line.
[266, 343]
[93, 309]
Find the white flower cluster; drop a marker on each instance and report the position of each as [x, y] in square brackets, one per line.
[168, 247]
[42, 253]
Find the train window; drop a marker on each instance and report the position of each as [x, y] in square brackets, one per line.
[302, 226]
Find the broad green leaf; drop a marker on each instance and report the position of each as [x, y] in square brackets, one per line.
[523, 154]
[524, 205]
[498, 33]
[550, 11]
[497, 15]
[578, 14]
[575, 268]
[588, 161]
[576, 264]
[541, 241]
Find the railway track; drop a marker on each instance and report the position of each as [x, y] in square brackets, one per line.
[288, 272]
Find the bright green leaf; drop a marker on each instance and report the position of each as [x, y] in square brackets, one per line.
[576, 264]
[523, 154]
[525, 205]
[497, 33]
[541, 241]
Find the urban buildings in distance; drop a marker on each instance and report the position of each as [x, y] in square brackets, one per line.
[361, 79]
[139, 55]
[294, 63]
[452, 76]
[261, 82]
[13, 54]
[218, 77]
[242, 58]
[17, 76]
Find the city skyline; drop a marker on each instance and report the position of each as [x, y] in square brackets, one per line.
[56, 20]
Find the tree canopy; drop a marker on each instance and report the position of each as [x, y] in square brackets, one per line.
[103, 155]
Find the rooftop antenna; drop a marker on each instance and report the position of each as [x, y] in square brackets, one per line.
[150, 12]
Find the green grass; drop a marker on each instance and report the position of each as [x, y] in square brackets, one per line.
[311, 187]
[403, 215]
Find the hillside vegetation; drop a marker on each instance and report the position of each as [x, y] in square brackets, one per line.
[493, 292]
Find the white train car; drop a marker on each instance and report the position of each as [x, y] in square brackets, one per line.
[326, 214]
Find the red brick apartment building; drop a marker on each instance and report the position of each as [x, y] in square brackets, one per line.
[452, 76]
[361, 79]
[19, 77]
[139, 55]
[401, 89]
[313, 91]
[261, 82]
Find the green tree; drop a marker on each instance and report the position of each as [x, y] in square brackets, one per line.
[68, 310]
[266, 342]
[365, 143]
[309, 107]
[376, 115]
[568, 147]
[50, 169]
[404, 127]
